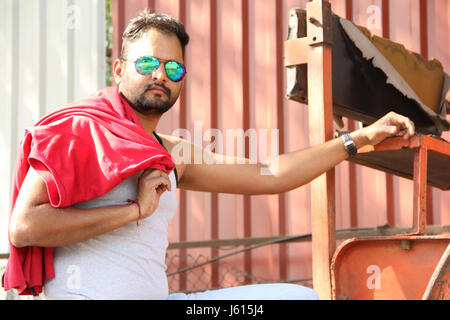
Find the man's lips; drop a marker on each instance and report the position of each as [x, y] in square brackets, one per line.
[158, 90]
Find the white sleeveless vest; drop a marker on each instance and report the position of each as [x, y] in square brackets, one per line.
[127, 263]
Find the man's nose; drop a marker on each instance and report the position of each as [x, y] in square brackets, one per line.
[159, 74]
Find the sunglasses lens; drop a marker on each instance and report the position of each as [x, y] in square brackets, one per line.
[175, 71]
[146, 65]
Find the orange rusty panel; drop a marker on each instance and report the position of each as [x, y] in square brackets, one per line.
[392, 268]
[439, 285]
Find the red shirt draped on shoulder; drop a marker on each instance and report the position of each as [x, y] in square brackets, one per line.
[81, 151]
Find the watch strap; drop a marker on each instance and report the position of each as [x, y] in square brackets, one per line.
[349, 144]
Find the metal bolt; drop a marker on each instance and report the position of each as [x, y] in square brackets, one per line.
[405, 244]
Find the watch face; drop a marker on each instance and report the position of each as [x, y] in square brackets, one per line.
[349, 144]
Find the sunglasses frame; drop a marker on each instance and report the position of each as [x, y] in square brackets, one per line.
[163, 61]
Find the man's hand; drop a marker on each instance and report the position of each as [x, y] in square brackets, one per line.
[152, 183]
[392, 124]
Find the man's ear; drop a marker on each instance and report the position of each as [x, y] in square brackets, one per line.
[117, 70]
[182, 83]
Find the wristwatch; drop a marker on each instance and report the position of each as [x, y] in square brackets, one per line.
[349, 144]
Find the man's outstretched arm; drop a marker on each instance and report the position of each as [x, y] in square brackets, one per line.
[290, 170]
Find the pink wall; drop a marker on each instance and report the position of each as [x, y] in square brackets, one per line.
[264, 212]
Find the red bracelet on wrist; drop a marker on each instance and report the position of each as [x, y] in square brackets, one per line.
[138, 222]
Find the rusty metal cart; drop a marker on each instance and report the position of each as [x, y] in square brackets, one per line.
[414, 265]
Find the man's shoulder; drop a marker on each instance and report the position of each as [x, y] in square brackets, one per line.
[171, 141]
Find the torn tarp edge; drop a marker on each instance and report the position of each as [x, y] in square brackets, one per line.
[370, 52]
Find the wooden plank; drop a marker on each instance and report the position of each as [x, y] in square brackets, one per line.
[321, 130]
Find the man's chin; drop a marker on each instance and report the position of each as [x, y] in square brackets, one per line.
[154, 106]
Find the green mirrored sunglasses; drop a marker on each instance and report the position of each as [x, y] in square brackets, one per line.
[146, 65]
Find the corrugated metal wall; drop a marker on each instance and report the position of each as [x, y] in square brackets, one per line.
[53, 51]
[236, 80]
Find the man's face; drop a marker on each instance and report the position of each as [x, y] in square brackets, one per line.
[154, 93]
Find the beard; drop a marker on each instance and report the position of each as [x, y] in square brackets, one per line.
[153, 105]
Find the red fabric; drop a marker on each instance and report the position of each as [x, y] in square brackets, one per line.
[81, 151]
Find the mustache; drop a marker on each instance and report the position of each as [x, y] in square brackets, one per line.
[152, 85]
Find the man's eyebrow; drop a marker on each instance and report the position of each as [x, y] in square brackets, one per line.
[150, 55]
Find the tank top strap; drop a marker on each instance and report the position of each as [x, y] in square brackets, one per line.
[161, 143]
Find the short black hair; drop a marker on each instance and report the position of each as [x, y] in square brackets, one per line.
[145, 20]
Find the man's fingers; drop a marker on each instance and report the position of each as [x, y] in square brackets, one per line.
[391, 130]
[405, 126]
[408, 130]
[162, 183]
[412, 129]
[156, 179]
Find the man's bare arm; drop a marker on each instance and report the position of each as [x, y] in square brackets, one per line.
[34, 222]
[290, 170]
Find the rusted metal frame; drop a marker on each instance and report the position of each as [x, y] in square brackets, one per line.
[315, 51]
[421, 144]
[397, 143]
[436, 145]
[420, 190]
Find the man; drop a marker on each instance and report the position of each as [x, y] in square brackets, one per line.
[99, 253]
